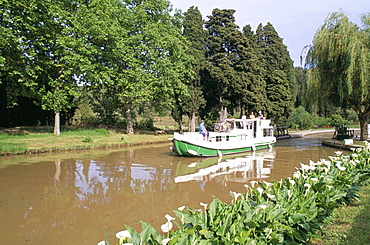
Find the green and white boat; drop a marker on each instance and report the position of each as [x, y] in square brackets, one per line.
[231, 137]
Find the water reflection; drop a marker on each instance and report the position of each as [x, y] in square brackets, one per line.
[256, 165]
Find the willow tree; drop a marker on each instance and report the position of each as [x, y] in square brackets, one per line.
[339, 61]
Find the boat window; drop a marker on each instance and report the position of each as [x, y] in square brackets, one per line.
[218, 138]
[267, 132]
[227, 137]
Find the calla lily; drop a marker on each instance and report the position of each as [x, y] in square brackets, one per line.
[204, 205]
[123, 234]
[169, 218]
[165, 241]
[270, 196]
[338, 153]
[268, 184]
[260, 190]
[262, 207]
[253, 183]
[166, 227]
[101, 243]
[181, 208]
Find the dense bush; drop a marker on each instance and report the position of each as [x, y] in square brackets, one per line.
[301, 119]
[288, 211]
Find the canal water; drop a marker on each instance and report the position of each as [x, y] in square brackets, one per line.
[79, 197]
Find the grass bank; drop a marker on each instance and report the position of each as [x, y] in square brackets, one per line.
[41, 139]
[349, 224]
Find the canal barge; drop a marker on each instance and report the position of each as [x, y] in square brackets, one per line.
[232, 136]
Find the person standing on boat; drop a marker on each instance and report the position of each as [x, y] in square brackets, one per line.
[203, 130]
[251, 116]
[260, 115]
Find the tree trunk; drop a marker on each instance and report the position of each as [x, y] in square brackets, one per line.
[129, 127]
[57, 123]
[181, 126]
[363, 126]
[192, 121]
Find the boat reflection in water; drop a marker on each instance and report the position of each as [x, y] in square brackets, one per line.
[241, 169]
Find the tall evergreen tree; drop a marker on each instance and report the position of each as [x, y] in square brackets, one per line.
[227, 50]
[191, 103]
[254, 93]
[278, 73]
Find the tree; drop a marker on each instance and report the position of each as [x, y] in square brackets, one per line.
[139, 52]
[278, 72]
[194, 33]
[41, 60]
[339, 60]
[226, 75]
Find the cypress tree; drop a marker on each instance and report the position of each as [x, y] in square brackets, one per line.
[227, 55]
[194, 33]
[278, 73]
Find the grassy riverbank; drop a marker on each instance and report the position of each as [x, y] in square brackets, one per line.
[41, 139]
[349, 224]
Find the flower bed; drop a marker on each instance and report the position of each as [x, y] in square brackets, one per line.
[288, 211]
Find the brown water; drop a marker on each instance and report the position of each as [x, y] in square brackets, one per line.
[75, 198]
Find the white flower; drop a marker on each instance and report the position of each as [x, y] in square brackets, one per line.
[307, 185]
[314, 179]
[296, 175]
[253, 183]
[292, 182]
[260, 190]
[165, 241]
[329, 186]
[101, 243]
[262, 207]
[166, 227]
[123, 234]
[181, 208]
[268, 184]
[270, 196]
[340, 167]
[235, 195]
[169, 217]
[204, 205]
[338, 153]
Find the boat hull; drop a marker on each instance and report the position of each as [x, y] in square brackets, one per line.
[184, 148]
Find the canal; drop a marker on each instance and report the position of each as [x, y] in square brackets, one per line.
[78, 197]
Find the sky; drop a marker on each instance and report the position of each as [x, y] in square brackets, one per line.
[295, 21]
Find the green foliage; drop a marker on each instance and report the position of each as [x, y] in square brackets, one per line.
[87, 139]
[342, 76]
[299, 119]
[146, 124]
[278, 72]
